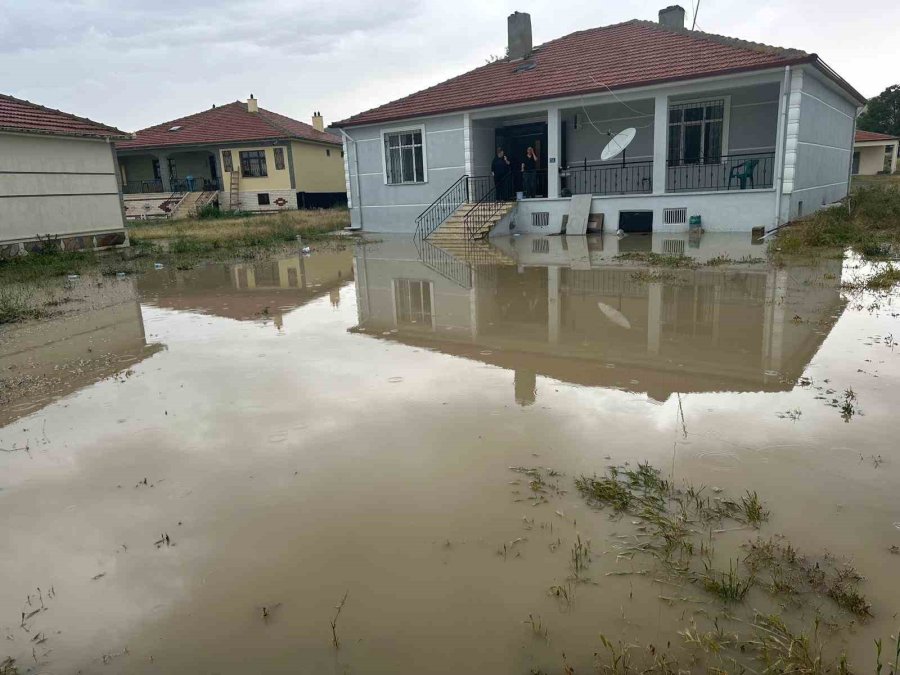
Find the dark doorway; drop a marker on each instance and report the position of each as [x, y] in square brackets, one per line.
[213, 173]
[636, 221]
[515, 140]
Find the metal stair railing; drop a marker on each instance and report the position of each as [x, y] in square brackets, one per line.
[431, 218]
[485, 210]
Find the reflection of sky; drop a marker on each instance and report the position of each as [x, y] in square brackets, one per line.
[231, 409]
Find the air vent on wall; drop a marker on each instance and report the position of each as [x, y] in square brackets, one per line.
[540, 218]
[676, 216]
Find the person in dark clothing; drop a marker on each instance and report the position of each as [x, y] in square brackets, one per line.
[500, 170]
[529, 172]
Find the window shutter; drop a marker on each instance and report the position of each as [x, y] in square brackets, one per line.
[279, 158]
[226, 160]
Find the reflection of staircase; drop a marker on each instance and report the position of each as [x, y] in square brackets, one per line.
[458, 259]
[453, 229]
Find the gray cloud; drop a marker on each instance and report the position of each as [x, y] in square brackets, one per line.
[133, 63]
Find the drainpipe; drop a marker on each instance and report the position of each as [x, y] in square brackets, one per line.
[779, 182]
[350, 140]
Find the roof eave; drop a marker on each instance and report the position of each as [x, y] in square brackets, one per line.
[238, 141]
[826, 70]
[349, 122]
[121, 135]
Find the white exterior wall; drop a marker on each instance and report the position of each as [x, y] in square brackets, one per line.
[379, 207]
[735, 211]
[871, 157]
[51, 185]
[818, 147]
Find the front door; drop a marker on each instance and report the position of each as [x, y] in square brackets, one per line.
[855, 169]
[515, 140]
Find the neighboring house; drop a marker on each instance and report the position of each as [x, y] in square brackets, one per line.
[874, 153]
[248, 158]
[58, 179]
[741, 134]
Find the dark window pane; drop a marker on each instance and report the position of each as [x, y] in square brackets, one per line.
[692, 136]
[420, 167]
[262, 198]
[675, 116]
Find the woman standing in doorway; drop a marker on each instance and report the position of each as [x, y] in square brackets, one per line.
[529, 172]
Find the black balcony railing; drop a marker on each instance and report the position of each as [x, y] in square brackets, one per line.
[135, 187]
[194, 184]
[608, 179]
[731, 172]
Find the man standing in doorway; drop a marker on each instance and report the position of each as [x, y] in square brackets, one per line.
[500, 170]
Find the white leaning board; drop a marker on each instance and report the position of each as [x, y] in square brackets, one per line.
[579, 210]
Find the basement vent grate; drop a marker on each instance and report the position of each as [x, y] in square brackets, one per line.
[675, 216]
[540, 219]
[540, 246]
[673, 246]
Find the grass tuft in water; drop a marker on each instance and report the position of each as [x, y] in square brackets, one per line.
[728, 586]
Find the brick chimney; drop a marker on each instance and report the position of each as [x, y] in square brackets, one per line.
[252, 104]
[518, 28]
[672, 17]
[318, 121]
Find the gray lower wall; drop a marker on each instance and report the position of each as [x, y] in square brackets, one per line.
[50, 185]
[824, 147]
[393, 208]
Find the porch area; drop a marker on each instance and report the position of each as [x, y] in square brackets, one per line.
[689, 146]
[149, 172]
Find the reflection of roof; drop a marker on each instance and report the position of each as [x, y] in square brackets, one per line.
[27, 117]
[243, 305]
[630, 54]
[658, 380]
[226, 124]
[867, 136]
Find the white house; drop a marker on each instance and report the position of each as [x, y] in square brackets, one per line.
[741, 134]
[874, 153]
[58, 179]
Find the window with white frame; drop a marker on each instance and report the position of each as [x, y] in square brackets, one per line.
[404, 157]
[696, 132]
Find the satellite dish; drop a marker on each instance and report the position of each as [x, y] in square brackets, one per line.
[618, 143]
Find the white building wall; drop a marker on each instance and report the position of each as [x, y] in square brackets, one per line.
[379, 207]
[819, 145]
[65, 187]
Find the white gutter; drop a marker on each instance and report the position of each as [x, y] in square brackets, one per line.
[349, 140]
[779, 164]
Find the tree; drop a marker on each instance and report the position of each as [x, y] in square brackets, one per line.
[882, 113]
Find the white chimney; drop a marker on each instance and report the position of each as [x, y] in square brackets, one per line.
[672, 17]
[318, 121]
[518, 28]
[252, 104]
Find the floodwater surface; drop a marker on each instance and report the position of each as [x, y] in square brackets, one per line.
[364, 461]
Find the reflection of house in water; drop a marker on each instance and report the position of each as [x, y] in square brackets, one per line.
[46, 360]
[564, 308]
[252, 290]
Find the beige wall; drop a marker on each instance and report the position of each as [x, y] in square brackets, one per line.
[315, 170]
[278, 179]
[50, 185]
[871, 157]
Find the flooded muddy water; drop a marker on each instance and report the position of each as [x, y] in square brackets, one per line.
[196, 470]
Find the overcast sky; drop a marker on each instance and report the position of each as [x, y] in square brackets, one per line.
[134, 63]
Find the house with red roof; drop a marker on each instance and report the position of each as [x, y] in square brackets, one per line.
[240, 155]
[643, 126]
[874, 153]
[58, 180]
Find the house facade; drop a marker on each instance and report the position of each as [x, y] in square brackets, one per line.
[740, 134]
[874, 153]
[242, 156]
[58, 180]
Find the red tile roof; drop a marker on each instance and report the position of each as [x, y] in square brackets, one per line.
[27, 117]
[865, 136]
[230, 123]
[630, 54]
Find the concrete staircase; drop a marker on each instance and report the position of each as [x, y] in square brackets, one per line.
[453, 230]
[192, 202]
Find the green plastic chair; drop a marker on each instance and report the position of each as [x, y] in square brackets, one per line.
[743, 172]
